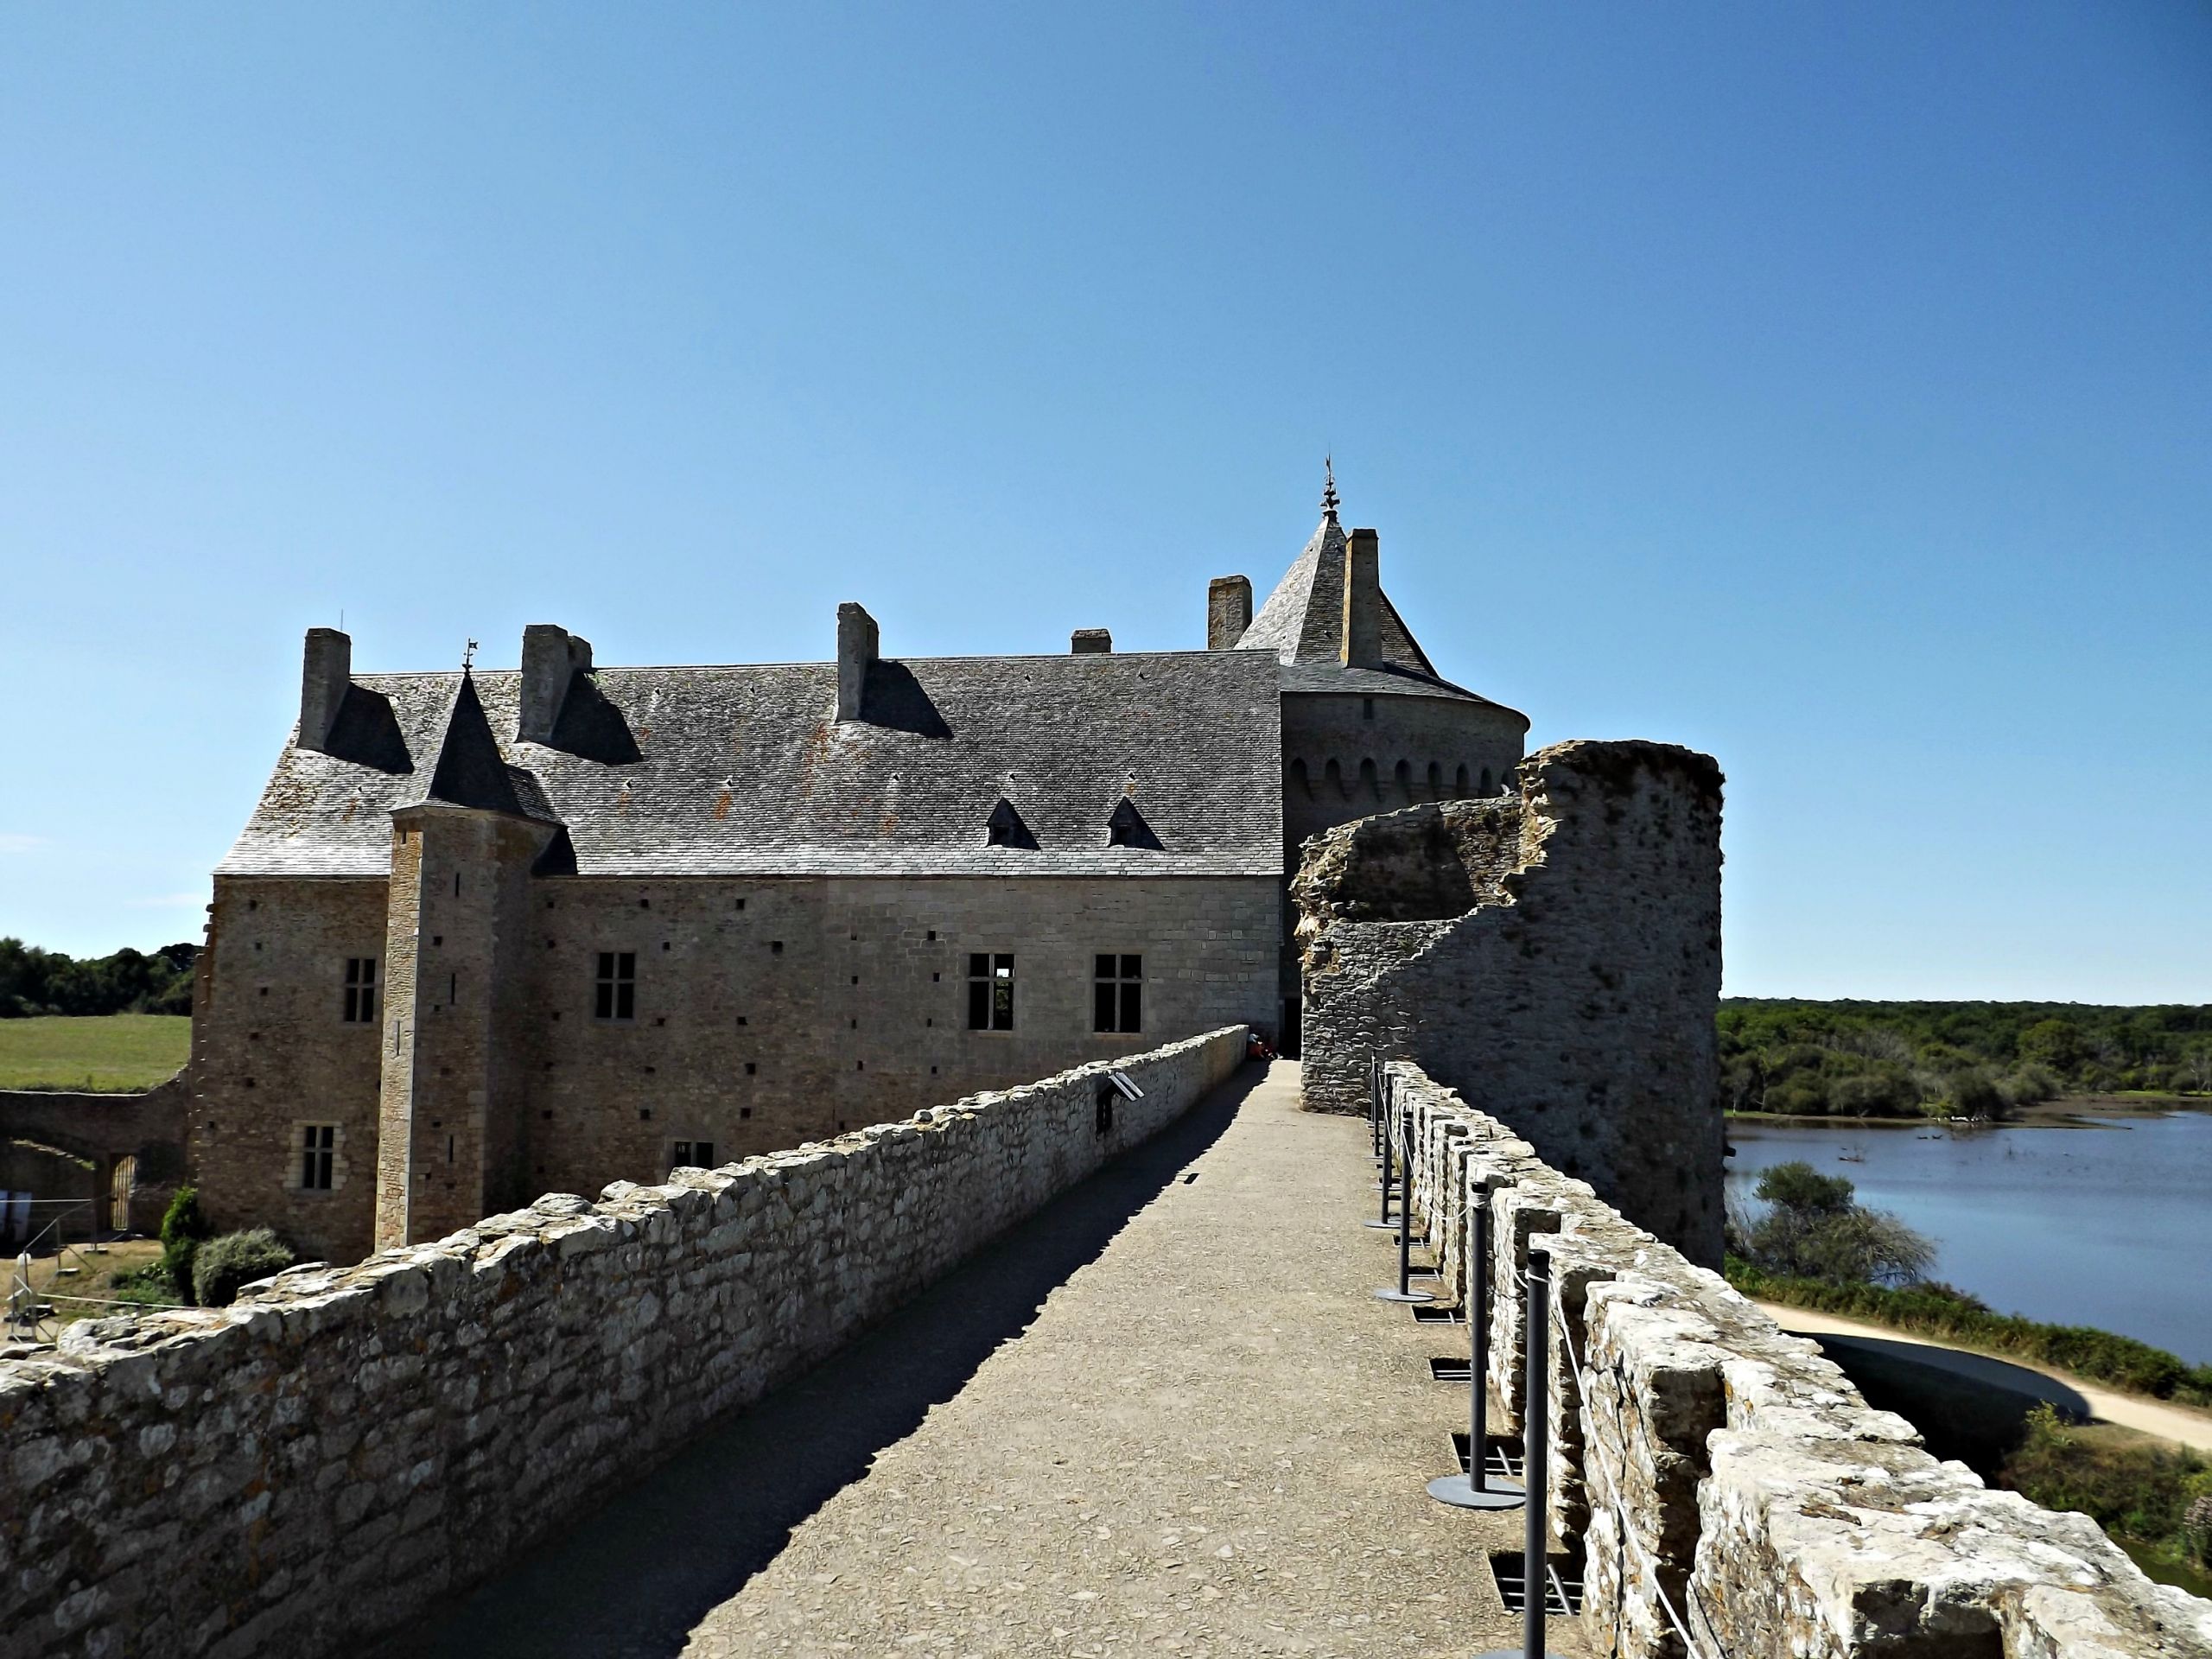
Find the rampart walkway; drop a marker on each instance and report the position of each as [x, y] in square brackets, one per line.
[1164, 1416]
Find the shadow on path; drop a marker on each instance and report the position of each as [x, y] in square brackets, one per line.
[635, 1573]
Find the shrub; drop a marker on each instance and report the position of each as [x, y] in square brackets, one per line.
[1975, 1094]
[2133, 1487]
[148, 1287]
[184, 1229]
[223, 1264]
[1815, 1228]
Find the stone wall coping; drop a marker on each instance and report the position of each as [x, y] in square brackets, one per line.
[1800, 1520]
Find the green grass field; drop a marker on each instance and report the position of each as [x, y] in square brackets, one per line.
[115, 1053]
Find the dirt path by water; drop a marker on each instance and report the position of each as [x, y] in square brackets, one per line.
[2179, 1423]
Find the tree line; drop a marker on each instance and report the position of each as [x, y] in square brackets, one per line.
[35, 981]
[1951, 1059]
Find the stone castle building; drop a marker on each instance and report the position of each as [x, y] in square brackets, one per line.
[491, 934]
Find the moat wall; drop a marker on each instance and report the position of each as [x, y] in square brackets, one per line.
[1718, 1471]
[326, 1458]
[1554, 951]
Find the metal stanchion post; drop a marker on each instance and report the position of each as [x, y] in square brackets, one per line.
[1475, 1490]
[1535, 1562]
[1405, 1219]
[1383, 1218]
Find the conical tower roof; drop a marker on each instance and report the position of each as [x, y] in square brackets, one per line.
[470, 771]
[1303, 620]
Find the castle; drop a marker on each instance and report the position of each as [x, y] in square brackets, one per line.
[491, 934]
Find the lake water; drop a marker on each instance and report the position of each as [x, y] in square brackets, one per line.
[2109, 1225]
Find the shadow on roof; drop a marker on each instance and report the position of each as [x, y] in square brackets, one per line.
[591, 727]
[367, 733]
[892, 697]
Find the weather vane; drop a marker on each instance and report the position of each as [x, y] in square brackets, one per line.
[1328, 487]
[468, 657]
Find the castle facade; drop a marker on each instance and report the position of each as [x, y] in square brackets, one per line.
[492, 934]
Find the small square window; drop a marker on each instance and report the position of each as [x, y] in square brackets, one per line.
[1117, 992]
[615, 986]
[990, 991]
[360, 1004]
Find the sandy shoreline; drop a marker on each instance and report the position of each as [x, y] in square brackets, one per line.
[2068, 1112]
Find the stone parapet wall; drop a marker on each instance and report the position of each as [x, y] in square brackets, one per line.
[322, 1461]
[1708, 1462]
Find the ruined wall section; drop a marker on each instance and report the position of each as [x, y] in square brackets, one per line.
[1717, 1471]
[1558, 949]
[314, 1465]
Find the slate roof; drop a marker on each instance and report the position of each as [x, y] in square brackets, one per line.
[1302, 624]
[742, 770]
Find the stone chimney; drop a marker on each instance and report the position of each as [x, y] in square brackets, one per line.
[551, 656]
[857, 642]
[1228, 611]
[325, 670]
[1090, 642]
[1362, 634]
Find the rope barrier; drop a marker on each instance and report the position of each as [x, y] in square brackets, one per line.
[102, 1301]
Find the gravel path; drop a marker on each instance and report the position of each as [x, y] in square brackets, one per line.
[1165, 1417]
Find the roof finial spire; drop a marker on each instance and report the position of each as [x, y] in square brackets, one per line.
[1329, 488]
[468, 657]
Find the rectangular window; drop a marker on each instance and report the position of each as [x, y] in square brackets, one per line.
[694, 1154]
[360, 990]
[318, 1155]
[1117, 992]
[616, 992]
[990, 992]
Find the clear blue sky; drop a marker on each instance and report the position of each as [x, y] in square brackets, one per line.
[1829, 388]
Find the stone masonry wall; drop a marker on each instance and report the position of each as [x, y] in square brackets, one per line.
[1707, 1463]
[318, 1463]
[769, 1011]
[1557, 950]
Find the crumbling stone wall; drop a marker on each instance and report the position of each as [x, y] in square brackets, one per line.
[1556, 949]
[316, 1464]
[100, 1130]
[1718, 1473]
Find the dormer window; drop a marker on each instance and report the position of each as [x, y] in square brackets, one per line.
[1127, 827]
[1005, 828]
